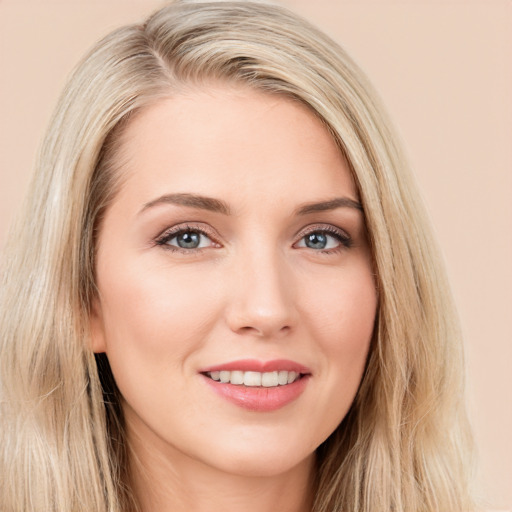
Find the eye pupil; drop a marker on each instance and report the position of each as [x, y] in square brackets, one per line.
[188, 240]
[316, 241]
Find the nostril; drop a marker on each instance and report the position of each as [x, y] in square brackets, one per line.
[264, 330]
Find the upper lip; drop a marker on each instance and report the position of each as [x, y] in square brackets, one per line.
[255, 365]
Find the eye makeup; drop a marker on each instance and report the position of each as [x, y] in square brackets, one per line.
[190, 238]
[193, 236]
[343, 240]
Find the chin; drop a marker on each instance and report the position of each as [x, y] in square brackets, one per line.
[265, 458]
[259, 466]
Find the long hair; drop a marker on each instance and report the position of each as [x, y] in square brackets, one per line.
[405, 444]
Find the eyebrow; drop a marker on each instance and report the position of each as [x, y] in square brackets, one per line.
[219, 206]
[331, 204]
[191, 200]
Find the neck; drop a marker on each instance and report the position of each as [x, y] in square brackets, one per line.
[165, 481]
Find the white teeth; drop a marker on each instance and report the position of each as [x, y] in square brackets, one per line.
[269, 379]
[237, 377]
[255, 379]
[252, 379]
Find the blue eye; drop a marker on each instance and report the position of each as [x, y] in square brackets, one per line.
[186, 239]
[189, 239]
[316, 241]
[324, 240]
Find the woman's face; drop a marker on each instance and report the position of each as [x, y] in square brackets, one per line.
[236, 296]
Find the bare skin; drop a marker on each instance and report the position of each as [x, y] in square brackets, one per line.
[236, 236]
[181, 485]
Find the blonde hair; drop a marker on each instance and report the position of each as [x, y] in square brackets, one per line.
[405, 444]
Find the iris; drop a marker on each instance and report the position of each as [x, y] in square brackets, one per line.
[316, 240]
[188, 240]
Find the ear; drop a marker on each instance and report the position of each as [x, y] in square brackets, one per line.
[97, 328]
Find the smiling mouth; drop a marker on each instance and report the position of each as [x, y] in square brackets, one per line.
[255, 379]
[258, 386]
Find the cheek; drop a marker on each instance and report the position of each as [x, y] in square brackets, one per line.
[341, 319]
[342, 308]
[154, 323]
[156, 315]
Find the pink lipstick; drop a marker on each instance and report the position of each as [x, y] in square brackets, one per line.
[256, 385]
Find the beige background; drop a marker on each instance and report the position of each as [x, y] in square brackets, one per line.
[444, 69]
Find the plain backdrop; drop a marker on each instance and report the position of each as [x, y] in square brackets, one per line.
[444, 70]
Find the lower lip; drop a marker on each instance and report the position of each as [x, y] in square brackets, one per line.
[259, 399]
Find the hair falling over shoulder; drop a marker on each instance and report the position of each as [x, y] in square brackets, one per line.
[404, 446]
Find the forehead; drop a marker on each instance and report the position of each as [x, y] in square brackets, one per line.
[231, 142]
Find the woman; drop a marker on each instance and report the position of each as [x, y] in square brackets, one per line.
[179, 334]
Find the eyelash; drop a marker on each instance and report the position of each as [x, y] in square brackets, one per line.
[164, 238]
[345, 242]
[342, 237]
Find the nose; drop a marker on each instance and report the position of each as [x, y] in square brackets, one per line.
[262, 302]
